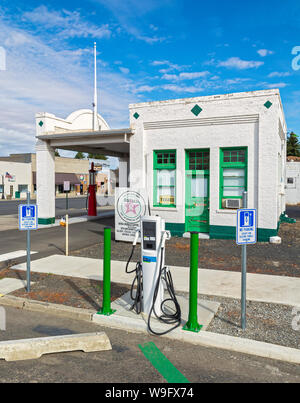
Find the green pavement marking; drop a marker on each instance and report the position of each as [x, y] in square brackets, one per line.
[162, 364]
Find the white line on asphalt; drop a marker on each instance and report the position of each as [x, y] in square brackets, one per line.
[14, 255]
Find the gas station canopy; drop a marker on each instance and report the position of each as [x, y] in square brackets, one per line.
[108, 142]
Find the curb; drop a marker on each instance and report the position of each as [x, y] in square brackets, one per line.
[204, 338]
[78, 219]
[207, 339]
[4, 264]
[46, 307]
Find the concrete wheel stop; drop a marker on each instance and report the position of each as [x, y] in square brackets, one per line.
[28, 349]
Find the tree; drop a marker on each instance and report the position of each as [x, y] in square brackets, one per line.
[97, 157]
[80, 155]
[56, 153]
[293, 145]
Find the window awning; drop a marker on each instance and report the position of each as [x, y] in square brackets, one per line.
[60, 178]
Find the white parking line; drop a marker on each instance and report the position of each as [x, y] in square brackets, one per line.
[14, 255]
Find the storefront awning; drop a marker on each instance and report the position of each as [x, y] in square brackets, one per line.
[60, 178]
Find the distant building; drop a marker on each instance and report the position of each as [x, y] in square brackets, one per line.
[22, 168]
[15, 180]
[293, 180]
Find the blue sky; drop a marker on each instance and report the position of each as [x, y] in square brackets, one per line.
[147, 50]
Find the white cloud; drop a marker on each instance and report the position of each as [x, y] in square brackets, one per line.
[145, 88]
[124, 70]
[170, 77]
[237, 63]
[235, 81]
[185, 76]
[170, 66]
[40, 78]
[182, 89]
[129, 13]
[193, 76]
[265, 52]
[279, 74]
[277, 85]
[68, 24]
[160, 62]
[126, 10]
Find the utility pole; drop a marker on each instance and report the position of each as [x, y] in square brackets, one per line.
[95, 103]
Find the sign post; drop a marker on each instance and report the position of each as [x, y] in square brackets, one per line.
[67, 189]
[28, 220]
[67, 234]
[245, 235]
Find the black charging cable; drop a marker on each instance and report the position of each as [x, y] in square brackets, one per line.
[166, 317]
[138, 279]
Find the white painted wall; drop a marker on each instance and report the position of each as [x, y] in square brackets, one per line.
[232, 120]
[22, 174]
[45, 180]
[293, 189]
[78, 120]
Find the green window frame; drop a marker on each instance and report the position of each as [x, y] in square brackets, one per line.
[234, 169]
[164, 178]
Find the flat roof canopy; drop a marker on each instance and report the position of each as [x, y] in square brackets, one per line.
[113, 143]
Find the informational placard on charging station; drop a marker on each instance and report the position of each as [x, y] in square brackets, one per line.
[28, 217]
[130, 206]
[246, 227]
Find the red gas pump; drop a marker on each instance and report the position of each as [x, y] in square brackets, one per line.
[92, 202]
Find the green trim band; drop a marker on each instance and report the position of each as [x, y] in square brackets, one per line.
[46, 221]
[175, 229]
[162, 364]
[223, 232]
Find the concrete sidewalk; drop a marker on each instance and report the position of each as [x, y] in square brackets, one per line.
[260, 287]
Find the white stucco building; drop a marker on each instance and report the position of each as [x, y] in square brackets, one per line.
[194, 156]
[15, 179]
[293, 181]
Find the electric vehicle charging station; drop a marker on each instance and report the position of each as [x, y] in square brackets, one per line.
[153, 237]
[152, 276]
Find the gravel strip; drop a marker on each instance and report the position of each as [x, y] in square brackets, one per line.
[70, 291]
[270, 323]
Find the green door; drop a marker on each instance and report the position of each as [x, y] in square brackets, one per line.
[197, 191]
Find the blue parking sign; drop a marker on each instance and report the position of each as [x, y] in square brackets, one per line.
[28, 218]
[246, 227]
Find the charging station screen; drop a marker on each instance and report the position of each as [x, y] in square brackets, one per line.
[149, 235]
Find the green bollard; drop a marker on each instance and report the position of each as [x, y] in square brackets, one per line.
[106, 309]
[192, 324]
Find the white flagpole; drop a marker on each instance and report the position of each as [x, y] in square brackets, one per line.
[95, 103]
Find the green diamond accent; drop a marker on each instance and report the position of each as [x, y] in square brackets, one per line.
[268, 104]
[41, 123]
[136, 115]
[196, 110]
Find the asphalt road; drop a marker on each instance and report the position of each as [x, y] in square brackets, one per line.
[10, 207]
[51, 240]
[125, 363]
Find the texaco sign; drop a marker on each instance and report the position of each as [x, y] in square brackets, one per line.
[130, 206]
